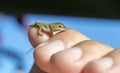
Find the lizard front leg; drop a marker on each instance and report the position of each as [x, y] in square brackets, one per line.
[40, 32]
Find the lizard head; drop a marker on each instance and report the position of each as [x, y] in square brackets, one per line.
[57, 26]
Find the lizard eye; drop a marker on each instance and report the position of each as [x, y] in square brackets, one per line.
[60, 26]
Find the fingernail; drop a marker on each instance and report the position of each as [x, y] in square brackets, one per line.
[75, 53]
[52, 47]
[106, 61]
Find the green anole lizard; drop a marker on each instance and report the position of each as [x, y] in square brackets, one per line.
[49, 28]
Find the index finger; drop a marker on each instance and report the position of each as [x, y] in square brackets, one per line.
[65, 36]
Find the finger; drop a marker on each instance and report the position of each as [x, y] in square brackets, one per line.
[36, 39]
[73, 60]
[110, 63]
[42, 54]
[35, 69]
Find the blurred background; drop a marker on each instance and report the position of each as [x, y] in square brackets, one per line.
[97, 19]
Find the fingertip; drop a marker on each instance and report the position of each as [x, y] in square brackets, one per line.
[42, 61]
[36, 39]
[66, 61]
[99, 66]
[43, 53]
[92, 67]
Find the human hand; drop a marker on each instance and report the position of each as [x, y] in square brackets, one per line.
[73, 52]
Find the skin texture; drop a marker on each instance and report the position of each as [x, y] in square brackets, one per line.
[73, 53]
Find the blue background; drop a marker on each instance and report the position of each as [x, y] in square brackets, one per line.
[14, 39]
